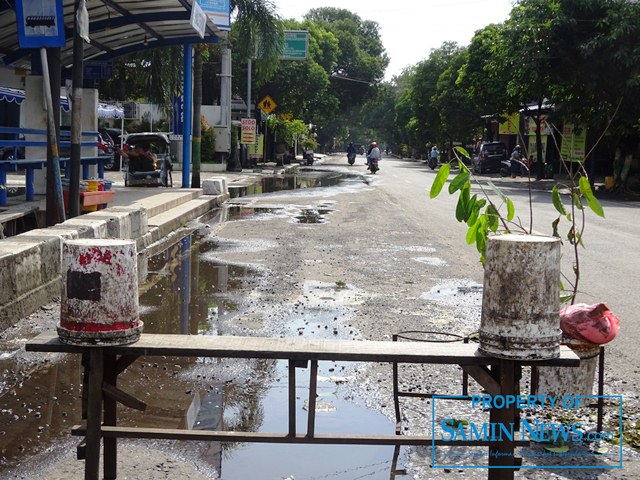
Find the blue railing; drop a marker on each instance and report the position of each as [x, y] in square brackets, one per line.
[15, 163]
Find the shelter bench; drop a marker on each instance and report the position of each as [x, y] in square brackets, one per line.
[30, 165]
[103, 364]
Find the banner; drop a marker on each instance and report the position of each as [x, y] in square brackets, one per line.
[574, 140]
[256, 149]
[532, 146]
[511, 126]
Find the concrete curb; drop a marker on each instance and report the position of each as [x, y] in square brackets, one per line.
[30, 262]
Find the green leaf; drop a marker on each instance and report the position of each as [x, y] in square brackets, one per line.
[496, 190]
[554, 226]
[463, 211]
[592, 201]
[461, 208]
[458, 182]
[511, 210]
[440, 180]
[492, 216]
[576, 201]
[566, 298]
[472, 232]
[462, 151]
[475, 213]
[471, 209]
[559, 449]
[557, 201]
[481, 240]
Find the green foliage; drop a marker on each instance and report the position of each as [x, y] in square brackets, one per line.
[208, 140]
[484, 216]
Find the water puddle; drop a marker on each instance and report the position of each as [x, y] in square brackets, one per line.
[433, 261]
[189, 291]
[305, 179]
[455, 292]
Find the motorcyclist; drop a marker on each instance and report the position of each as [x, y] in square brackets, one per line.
[351, 149]
[516, 157]
[373, 153]
[434, 153]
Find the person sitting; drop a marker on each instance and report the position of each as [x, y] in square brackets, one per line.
[141, 159]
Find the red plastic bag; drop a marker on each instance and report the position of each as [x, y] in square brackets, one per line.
[589, 323]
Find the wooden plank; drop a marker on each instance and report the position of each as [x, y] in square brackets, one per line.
[263, 437]
[313, 396]
[296, 349]
[292, 397]
[94, 414]
[483, 376]
[114, 393]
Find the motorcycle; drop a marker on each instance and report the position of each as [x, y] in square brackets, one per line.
[373, 165]
[308, 156]
[351, 158]
[505, 168]
[433, 162]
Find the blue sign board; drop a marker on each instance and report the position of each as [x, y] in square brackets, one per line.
[177, 115]
[40, 23]
[218, 11]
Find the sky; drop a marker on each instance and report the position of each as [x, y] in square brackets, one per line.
[410, 29]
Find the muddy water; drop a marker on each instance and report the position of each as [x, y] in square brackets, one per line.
[188, 292]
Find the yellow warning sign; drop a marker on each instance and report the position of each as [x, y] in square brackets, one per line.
[267, 105]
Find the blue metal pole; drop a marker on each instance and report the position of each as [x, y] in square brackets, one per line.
[188, 102]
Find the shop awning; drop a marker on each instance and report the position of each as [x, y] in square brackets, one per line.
[17, 95]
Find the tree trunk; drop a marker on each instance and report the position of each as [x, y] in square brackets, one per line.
[196, 136]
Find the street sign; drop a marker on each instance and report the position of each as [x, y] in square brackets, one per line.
[267, 105]
[218, 12]
[198, 19]
[296, 45]
[248, 132]
[40, 24]
[287, 117]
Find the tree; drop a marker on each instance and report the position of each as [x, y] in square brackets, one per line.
[459, 118]
[362, 59]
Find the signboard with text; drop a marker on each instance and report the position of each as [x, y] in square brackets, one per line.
[248, 132]
[296, 45]
[218, 12]
[574, 141]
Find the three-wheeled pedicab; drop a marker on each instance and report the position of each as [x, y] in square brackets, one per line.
[147, 160]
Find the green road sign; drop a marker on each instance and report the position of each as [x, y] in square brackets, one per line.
[296, 45]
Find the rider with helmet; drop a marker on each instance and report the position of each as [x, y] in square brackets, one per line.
[373, 153]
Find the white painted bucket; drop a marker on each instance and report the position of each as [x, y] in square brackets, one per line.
[521, 298]
[99, 303]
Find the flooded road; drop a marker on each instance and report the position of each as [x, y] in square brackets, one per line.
[366, 258]
[189, 290]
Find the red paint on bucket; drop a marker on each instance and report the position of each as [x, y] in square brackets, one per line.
[95, 327]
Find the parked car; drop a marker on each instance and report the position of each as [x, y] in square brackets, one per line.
[10, 153]
[489, 157]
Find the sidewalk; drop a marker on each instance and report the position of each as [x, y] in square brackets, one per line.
[30, 262]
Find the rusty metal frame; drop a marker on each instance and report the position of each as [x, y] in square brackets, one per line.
[104, 364]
